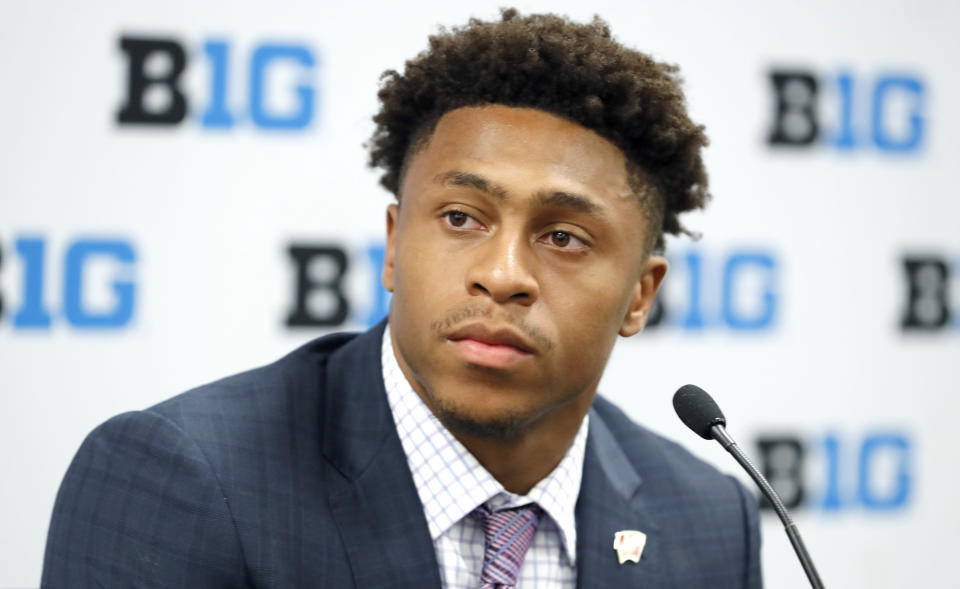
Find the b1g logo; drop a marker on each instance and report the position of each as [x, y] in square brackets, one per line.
[735, 290]
[930, 304]
[155, 96]
[885, 112]
[335, 284]
[840, 472]
[95, 275]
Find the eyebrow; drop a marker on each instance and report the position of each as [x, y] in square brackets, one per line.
[569, 200]
[544, 198]
[470, 180]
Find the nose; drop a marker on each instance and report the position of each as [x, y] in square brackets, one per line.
[501, 269]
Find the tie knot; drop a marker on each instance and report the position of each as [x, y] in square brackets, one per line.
[509, 533]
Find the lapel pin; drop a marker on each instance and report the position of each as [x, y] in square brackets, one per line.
[629, 545]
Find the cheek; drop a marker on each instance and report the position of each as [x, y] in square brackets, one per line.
[413, 255]
[425, 272]
[594, 298]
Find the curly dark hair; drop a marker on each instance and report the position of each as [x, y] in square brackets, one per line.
[576, 71]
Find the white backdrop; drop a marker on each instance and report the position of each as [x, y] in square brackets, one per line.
[790, 310]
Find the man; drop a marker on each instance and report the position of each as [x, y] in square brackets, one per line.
[537, 164]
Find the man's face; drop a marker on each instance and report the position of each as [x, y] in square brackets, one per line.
[516, 257]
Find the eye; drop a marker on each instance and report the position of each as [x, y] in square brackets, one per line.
[563, 240]
[457, 218]
[461, 220]
[560, 238]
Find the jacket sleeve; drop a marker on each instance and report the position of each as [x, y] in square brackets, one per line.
[753, 578]
[140, 506]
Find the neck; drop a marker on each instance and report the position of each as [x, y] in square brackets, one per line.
[522, 462]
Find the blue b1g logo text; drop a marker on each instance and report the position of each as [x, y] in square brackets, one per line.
[735, 290]
[847, 111]
[154, 95]
[837, 472]
[86, 267]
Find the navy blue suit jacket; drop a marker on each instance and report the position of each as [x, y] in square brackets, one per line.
[292, 475]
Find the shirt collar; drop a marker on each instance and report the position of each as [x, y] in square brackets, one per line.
[452, 483]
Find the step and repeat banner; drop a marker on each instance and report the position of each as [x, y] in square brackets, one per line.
[183, 195]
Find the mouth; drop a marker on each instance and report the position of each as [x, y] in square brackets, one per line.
[492, 347]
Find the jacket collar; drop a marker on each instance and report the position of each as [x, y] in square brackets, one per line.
[372, 495]
[611, 500]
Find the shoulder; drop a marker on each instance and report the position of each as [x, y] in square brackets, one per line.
[298, 373]
[211, 418]
[258, 404]
[135, 482]
[225, 460]
[693, 499]
[258, 418]
[672, 473]
[647, 449]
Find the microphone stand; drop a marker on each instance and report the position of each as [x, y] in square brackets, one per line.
[720, 435]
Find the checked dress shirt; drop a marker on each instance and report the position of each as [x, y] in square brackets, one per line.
[452, 484]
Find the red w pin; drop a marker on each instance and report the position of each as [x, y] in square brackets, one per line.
[629, 545]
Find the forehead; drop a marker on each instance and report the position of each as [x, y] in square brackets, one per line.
[523, 147]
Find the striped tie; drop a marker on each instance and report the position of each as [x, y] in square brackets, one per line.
[508, 536]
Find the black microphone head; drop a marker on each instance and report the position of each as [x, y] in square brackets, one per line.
[698, 410]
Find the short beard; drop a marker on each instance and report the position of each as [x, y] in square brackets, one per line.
[505, 428]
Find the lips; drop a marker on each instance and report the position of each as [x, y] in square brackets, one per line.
[493, 347]
[492, 336]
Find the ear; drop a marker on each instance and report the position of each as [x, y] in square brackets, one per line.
[643, 295]
[387, 276]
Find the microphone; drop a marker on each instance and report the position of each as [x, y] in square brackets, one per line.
[702, 414]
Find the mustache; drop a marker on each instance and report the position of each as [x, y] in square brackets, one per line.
[463, 313]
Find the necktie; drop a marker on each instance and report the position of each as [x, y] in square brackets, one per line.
[508, 536]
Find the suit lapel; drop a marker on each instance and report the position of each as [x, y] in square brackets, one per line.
[611, 500]
[376, 507]
[372, 494]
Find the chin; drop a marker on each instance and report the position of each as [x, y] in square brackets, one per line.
[496, 407]
[504, 426]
